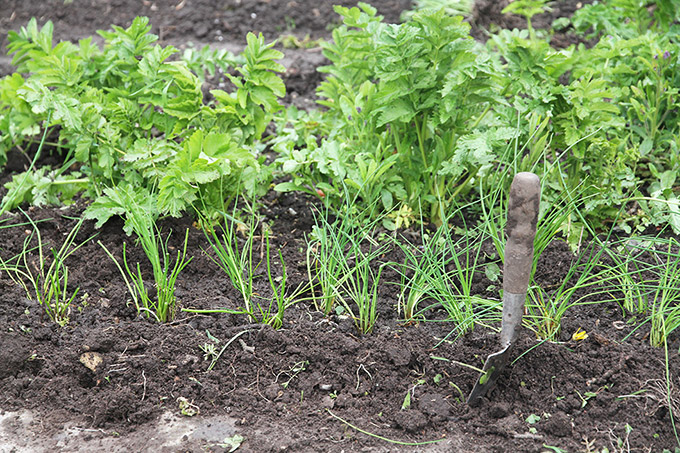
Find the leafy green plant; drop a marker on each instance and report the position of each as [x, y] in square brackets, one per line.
[43, 187]
[405, 113]
[528, 9]
[38, 187]
[587, 139]
[624, 18]
[654, 97]
[209, 61]
[45, 278]
[640, 69]
[126, 114]
[450, 7]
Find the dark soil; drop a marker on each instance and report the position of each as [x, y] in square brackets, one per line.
[287, 389]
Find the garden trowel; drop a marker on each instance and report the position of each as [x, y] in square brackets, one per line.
[525, 194]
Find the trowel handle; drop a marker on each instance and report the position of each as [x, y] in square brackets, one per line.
[525, 195]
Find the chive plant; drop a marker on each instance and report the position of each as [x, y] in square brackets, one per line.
[590, 279]
[664, 297]
[342, 261]
[643, 275]
[324, 262]
[46, 278]
[634, 276]
[237, 263]
[441, 270]
[164, 271]
[278, 286]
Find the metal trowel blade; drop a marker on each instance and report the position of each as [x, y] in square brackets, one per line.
[493, 367]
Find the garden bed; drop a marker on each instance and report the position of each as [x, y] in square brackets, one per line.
[110, 379]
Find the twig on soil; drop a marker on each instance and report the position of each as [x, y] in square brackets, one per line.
[257, 386]
[361, 366]
[246, 348]
[143, 386]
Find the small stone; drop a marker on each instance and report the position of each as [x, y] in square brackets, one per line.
[91, 360]
[188, 359]
[344, 400]
[327, 402]
[273, 391]
[200, 30]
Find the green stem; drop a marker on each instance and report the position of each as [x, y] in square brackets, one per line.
[420, 132]
[483, 114]
[381, 437]
[532, 32]
[70, 181]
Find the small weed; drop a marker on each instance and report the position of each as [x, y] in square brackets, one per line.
[293, 42]
[292, 372]
[410, 394]
[230, 444]
[209, 351]
[587, 396]
[532, 419]
[187, 408]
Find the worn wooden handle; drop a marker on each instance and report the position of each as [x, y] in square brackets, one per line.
[525, 195]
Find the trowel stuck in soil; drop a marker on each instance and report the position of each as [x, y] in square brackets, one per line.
[525, 194]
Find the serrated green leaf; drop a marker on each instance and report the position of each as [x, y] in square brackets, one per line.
[400, 110]
[121, 200]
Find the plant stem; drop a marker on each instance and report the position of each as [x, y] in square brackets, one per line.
[381, 437]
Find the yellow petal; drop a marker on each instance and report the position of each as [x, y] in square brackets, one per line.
[579, 335]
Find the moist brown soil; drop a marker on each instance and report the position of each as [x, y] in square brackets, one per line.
[288, 389]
